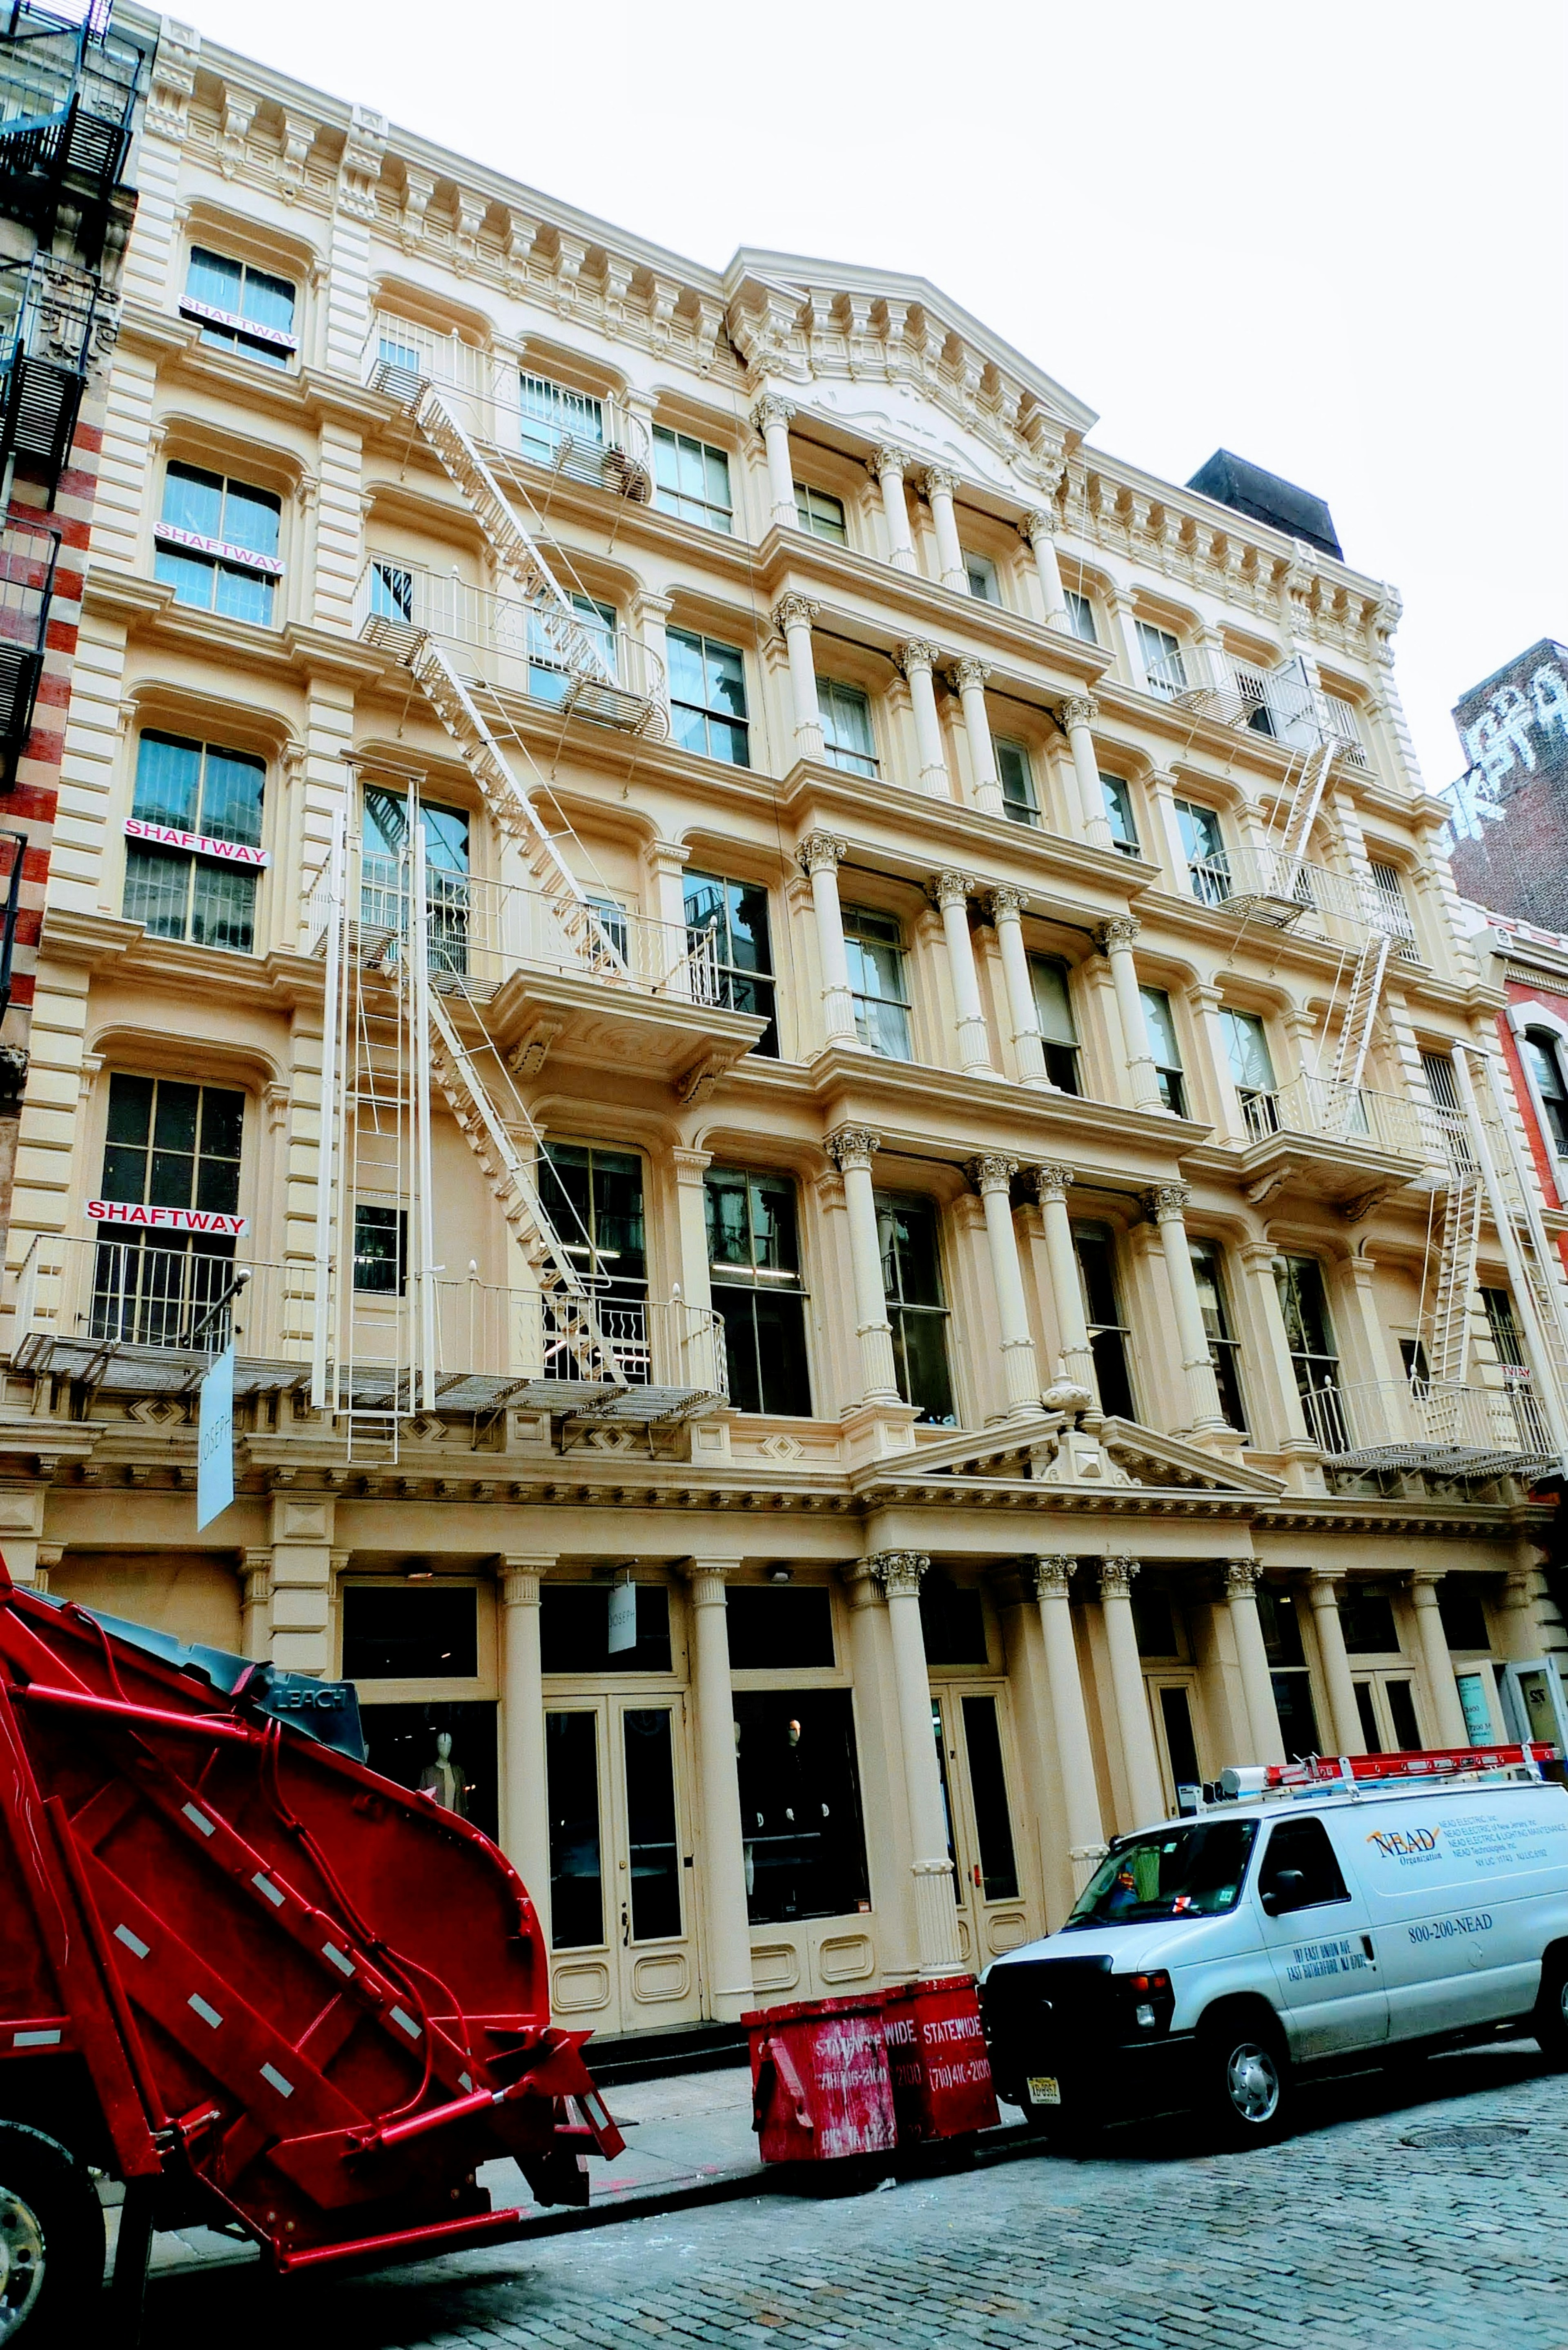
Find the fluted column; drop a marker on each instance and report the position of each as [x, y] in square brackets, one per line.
[1078, 715]
[900, 1574]
[950, 893]
[939, 488]
[1040, 530]
[887, 467]
[524, 1810]
[970, 677]
[1006, 908]
[917, 660]
[820, 855]
[1145, 1791]
[1444, 1689]
[772, 417]
[1048, 1580]
[1115, 940]
[1051, 1184]
[1241, 1577]
[792, 617]
[852, 1149]
[992, 1176]
[1345, 1720]
[255, 1608]
[729, 1953]
[1167, 1204]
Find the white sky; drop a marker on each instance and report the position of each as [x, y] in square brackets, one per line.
[1329, 236]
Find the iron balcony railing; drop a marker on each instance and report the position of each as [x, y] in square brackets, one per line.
[503, 642]
[47, 312]
[68, 101]
[79, 1300]
[1438, 1139]
[1417, 1425]
[1268, 885]
[28, 555]
[519, 415]
[1278, 704]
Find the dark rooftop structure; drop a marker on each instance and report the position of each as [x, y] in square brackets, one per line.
[1264, 497]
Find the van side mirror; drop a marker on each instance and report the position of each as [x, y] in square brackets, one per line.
[1284, 1893]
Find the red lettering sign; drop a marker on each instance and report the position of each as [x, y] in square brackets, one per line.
[166, 1220]
[201, 844]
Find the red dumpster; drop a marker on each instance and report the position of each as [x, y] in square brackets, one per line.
[937, 2058]
[820, 2088]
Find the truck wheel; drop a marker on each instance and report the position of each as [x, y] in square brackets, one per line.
[51, 2241]
[1244, 2080]
[1550, 2023]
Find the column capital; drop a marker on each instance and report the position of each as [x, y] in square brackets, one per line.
[690, 1166]
[1424, 1582]
[887, 460]
[969, 675]
[1040, 523]
[770, 410]
[821, 852]
[517, 1584]
[992, 1172]
[665, 855]
[1005, 902]
[645, 605]
[1167, 1202]
[1048, 1578]
[795, 612]
[852, 1147]
[1243, 1577]
[1121, 930]
[1051, 1179]
[1118, 1575]
[899, 1572]
[917, 655]
[936, 482]
[1079, 709]
[706, 1579]
[1322, 1586]
[951, 889]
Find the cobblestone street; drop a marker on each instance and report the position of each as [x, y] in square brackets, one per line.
[1413, 2212]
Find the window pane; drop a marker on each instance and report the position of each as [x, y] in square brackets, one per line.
[988, 1789]
[1081, 614]
[268, 301]
[1176, 1715]
[687, 680]
[157, 891]
[214, 280]
[910, 1272]
[1367, 1620]
[574, 1630]
[168, 779]
[748, 910]
[194, 500]
[192, 577]
[920, 1358]
[391, 1635]
[778, 1629]
[1015, 777]
[952, 1621]
[653, 1853]
[1292, 1703]
[244, 596]
[380, 1250]
[572, 1780]
[1247, 1048]
[780, 1318]
[1402, 1712]
[726, 673]
[1119, 811]
[223, 909]
[1052, 1005]
[129, 1110]
[726, 1201]
[251, 518]
[1161, 1027]
[800, 1804]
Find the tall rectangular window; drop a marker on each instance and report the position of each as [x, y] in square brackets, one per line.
[1288, 1671]
[549, 678]
[1119, 813]
[846, 727]
[820, 513]
[1165, 1052]
[1247, 1050]
[734, 914]
[381, 1249]
[1224, 1349]
[912, 1284]
[593, 1200]
[552, 415]
[168, 1144]
[1054, 1012]
[753, 1258]
[691, 479]
[984, 585]
[249, 311]
[1108, 1333]
[218, 543]
[874, 948]
[1542, 1056]
[1309, 1334]
[206, 793]
[1081, 617]
[800, 1805]
[1164, 671]
[1207, 868]
[1504, 1329]
[1016, 776]
[384, 878]
[708, 698]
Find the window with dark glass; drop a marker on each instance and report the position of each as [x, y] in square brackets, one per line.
[1180, 1739]
[912, 1284]
[593, 1200]
[1288, 1673]
[707, 697]
[576, 1858]
[754, 1257]
[821, 514]
[247, 310]
[168, 1144]
[1109, 1334]
[1504, 1329]
[846, 731]
[574, 1629]
[804, 1844]
[952, 1620]
[988, 1792]
[381, 1249]
[1299, 1869]
[1367, 1621]
[1224, 1348]
[1542, 1059]
[1154, 1621]
[1464, 1616]
[234, 567]
[653, 1850]
[214, 796]
[1247, 1050]
[1119, 813]
[734, 915]
[409, 1632]
[778, 1627]
[1166, 1053]
[1016, 776]
[1309, 1334]
[691, 479]
[874, 950]
[1054, 1012]
[1203, 844]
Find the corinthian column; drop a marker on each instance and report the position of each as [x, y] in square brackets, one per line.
[1048, 1580]
[1040, 530]
[792, 617]
[1051, 1184]
[724, 1869]
[820, 855]
[888, 468]
[1146, 1792]
[1078, 715]
[970, 677]
[1115, 939]
[852, 1149]
[1006, 906]
[1257, 1685]
[1167, 1206]
[900, 1574]
[917, 660]
[772, 417]
[992, 1179]
[950, 893]
[939, 488]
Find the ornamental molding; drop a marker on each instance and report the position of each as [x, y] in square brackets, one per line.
[821, 852]
[971, 676]
[951, 889]
[1167, 1204]
[1079, 709]
[852, 1147]
[900, 1573]
[937, 481]
[1005, 903]
[770, 410]
[992, 1171]
[1048, 1578]
[890, 460]
[1052, 1179]
[1117, 1576]
[1243, 1577]
[795, 612]
[1121, 930]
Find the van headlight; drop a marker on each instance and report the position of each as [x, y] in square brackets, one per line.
[1152, 2000]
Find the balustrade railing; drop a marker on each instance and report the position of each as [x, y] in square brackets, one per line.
[1291, 893]
[1470, 1430]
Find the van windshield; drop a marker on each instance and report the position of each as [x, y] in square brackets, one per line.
[1186, 1872]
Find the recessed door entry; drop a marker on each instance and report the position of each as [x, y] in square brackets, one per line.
[970, 1729]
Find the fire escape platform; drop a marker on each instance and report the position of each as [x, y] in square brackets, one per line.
[609, 1022]
[1336, 1167]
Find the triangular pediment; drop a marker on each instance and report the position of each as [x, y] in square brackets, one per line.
[1030, 1453]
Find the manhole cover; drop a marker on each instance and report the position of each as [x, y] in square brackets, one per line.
[1467, 2134]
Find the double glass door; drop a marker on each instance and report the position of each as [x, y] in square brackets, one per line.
[622, 1900]
[970, 1725]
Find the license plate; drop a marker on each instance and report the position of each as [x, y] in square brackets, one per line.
[1044, 2089]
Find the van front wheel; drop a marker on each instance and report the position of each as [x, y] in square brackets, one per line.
[1550, 2023]
[1245, 2082]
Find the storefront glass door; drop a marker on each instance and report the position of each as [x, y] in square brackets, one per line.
[970, 1729]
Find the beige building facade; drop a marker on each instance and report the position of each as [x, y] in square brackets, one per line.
[879, 1224]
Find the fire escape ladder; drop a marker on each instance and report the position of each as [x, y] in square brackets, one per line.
[1295, 835]
[1456, 1277]
[1355, 1032]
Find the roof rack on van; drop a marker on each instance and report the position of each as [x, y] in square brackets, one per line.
[1347, 1774]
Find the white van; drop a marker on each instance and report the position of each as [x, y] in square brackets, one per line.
[1206, 1961]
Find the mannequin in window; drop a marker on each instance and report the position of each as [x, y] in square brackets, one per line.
[442, 1780]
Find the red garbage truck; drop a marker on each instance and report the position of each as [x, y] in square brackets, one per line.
[244, 1975]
